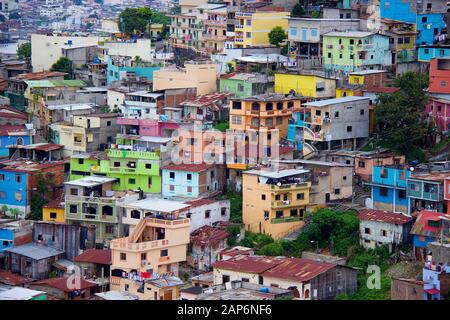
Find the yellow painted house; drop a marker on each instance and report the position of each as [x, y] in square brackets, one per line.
[252, 28]
[54, 211]
[274, 202]
[307, 85]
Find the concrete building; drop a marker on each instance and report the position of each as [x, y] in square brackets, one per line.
[305, 83]
[274, 202]
[379, 228]
[204, 244]
[206, 212]
[198, 74]
[337, 123]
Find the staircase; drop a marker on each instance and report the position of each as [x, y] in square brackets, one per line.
[309, 151]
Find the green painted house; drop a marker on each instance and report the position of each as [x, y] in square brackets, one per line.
[243, 85]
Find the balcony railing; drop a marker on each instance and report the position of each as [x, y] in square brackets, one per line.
[142, 246]
[286, 219]
[121, 153]
[87, 199]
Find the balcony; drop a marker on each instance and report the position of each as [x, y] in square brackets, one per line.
[121, 153]
[122, 244]
[216, 23]
[292, 186]
[86, 199]
[308, 134]
[286, 219]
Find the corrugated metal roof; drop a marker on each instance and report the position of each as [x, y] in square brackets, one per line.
[35, 251]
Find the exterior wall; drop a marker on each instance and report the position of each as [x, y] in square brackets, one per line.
[218, 211]
[253, 207]
[376, 47]
[427, 53]
[243, 89]
[36, 269]
[114, 72]
[394, 234]
[440, 76]
[406, 290]
[305, 85]
[12, 140]
[47, 212]
[364, 166]
[337, 182]
[252, 29]
[420, 198]
[115, 99]
[203, 257]
[202, 76]
[234, 275]
[141, 48]
[47, 49]
[14, 192]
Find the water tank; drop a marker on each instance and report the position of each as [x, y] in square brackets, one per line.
[264, 290]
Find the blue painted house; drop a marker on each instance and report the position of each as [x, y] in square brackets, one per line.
[12, 135]
[118, 65]
[295, 130]
[191, 180]
[426, 229]
[389, 188]
[428, 52]
[429, 24]
[15, 233]
[13, 191]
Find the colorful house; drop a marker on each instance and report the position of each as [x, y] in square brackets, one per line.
[244, 85]
[120, 67]
[90, 201]
[425, 191]
[365, 161]
[15, 233]
[440, 76]
[192, 180]
[252, 28]
[274, 202]
[429, 52]
[355, 50]
[53, 211]
[314, 85]
[13, 135]
[146, 262]
[389, 188]
[447, 193]
[425, 230]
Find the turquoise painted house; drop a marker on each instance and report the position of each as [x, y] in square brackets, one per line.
[428, 52]
[118, 65]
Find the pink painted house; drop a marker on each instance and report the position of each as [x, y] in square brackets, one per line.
[438, 112]
[147, 127]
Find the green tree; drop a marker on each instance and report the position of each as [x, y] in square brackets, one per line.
[24, 50]
[40, 196]
[64, 64]
[135, 20]
[277, 35]
[298, 10]
[399, 115]
[14, 16]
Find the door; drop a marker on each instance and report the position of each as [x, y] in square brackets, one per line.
[327, 197]
[167, 295]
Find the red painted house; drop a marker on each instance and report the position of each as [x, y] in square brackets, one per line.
[447, 193]
[439, 76]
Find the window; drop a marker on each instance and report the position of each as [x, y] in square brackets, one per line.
[73, 191]
[352, 41]
[263, 197]
[225, 278]
[164, 253]
[248, 22]
[116, 164]
[52, 215]
[400, 40]
[108, 123]
[361, 112]
[407, 40]
[266, 215]
[279, 120]
[402, 194]
[329, 55]
[277, 197]
[236, 105]
[337, 191]
[80, 161]
[18, 178]
[269, 122]
[383, 233]
[207, 214]
[290, 105]
[248, 34]
[189, 176]
[352, 56]
[148, 166]
[424, 19]
[109, 228]
[336, 114]
[367, 230]
[255, 106]
[73, 208]
[361, 164]
[172, 175]
[300, 196]
[349, 128]
[240, 87]
[132, 181]
[135, 214]
[123, 256]
[443, 83]
[223, 212]
[279, 105]
[236, 120]
[171, 187]
[293, 31]
[383, 192]
[269, 106]
[189, 189]
[279, 213]
[294, 212]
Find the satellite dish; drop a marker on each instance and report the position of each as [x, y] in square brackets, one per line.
[411, 169]
[279, 184]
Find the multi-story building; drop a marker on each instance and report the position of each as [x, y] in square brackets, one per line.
[126, 67]
[389, 188]
[336, 122]
[440, 76]
[9, 5]
[425, 191]
[447, 193]
[199, 74]
[86, 133]
[215, 25]
[52, 9]
[274, 202]
[15, 233]
[90, 201]
[355, 50]
[305, 38]
[379, 228]
[365, 161]
[252, 28]
[192, 180]
[208, 108]
[150, 256]
[305, 83]
[431, 51]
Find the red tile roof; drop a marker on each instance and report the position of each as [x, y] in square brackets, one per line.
[189, 167]
[382, 89]
[383, 216]
[39, 75]
[98, 256]
[297, 269]
[208, 236]
[205, 100]
[421, 226]
[250, 264]
[64, 283]
[13, 279]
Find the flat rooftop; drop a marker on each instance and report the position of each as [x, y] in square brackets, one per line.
[159, 205]
[90, 182]
[277, 174]
[327, 102]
